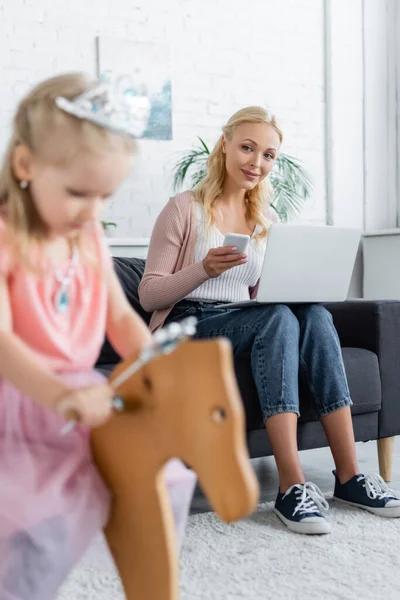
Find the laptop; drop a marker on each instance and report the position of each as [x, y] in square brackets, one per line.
[306, 263]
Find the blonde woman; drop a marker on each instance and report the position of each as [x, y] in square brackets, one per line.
[188, 272]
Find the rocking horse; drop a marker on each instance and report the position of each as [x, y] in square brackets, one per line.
[180, 399]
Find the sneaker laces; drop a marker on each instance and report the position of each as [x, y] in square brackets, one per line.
[309, 497]
[376, 487]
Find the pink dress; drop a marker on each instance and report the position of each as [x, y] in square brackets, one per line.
[52, 499]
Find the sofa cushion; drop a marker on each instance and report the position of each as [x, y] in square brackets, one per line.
[130, 272]
[106, 369]
[362, 370]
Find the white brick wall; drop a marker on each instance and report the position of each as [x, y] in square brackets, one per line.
[225, 54]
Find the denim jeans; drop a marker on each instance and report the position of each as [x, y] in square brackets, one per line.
[282, 342]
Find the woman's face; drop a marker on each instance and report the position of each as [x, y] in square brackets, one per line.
[250, 154]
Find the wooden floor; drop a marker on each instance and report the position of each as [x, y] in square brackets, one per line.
[318, 465]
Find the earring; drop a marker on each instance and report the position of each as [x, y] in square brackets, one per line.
[23, 184]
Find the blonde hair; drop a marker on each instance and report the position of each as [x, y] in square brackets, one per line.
[212, 186]
[55, 138]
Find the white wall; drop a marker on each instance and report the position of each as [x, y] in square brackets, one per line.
[225, 54]
[380, 208]
[345, 142]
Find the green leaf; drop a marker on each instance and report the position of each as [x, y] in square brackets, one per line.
[107, 224]
[195, 160]
[199, 176]
[204, 145]
[292, 186]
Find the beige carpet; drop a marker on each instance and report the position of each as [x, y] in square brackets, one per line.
[258, 559]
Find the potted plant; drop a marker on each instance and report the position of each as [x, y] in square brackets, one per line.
[291, 183]
[107, 226]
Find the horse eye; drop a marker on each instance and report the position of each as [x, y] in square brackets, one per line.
[147, 383]
[218, 415]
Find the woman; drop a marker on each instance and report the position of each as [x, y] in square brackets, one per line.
[189, 272]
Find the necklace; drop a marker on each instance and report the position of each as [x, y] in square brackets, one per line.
[62, 296]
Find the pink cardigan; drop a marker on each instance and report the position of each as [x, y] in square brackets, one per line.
[171, 273]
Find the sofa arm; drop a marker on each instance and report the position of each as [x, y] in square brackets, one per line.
[375, 326]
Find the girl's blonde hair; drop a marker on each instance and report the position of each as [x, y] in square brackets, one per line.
[212, 186]
[54, 137]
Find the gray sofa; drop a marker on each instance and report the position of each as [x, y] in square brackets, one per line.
[369, 333]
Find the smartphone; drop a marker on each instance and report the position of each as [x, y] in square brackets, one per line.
[240, 240]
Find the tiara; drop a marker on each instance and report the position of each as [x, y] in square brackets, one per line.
[113, 104]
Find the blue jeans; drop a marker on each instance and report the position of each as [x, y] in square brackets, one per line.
[281, 342]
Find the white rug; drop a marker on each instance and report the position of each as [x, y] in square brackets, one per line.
[258, 559]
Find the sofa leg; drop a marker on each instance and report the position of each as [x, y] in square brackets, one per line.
[385, 457]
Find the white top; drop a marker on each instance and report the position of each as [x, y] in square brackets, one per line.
[233, 285]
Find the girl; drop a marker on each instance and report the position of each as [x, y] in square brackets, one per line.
[58, 296]
[189, 272]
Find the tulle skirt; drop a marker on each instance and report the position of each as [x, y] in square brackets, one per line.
[52, 499]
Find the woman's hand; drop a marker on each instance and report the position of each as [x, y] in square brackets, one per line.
[219, 260]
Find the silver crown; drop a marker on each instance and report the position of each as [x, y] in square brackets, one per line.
[114, 104]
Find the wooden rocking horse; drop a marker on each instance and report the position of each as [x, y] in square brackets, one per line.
[180, 399]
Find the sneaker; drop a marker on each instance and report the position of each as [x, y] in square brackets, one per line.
[298, 509]
[369, 492]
